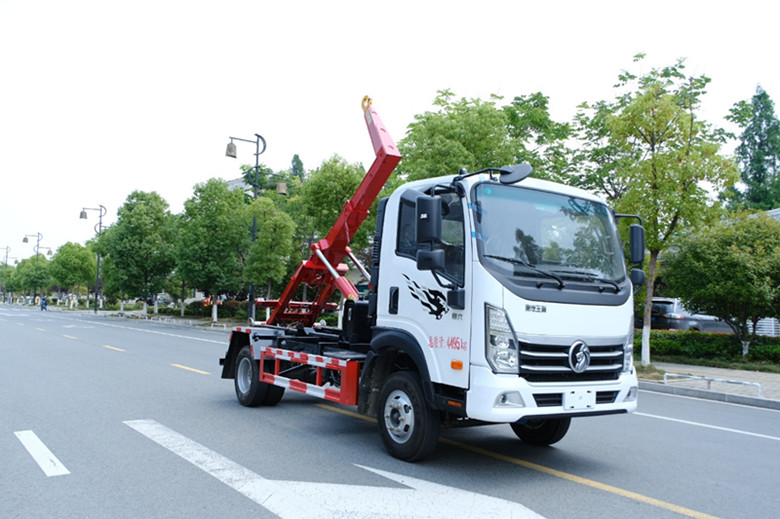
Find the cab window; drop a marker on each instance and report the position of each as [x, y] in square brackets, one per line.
[452, 235]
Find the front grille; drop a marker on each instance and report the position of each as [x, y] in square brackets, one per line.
[550, 363]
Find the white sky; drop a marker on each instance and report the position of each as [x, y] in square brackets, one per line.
[100, 98]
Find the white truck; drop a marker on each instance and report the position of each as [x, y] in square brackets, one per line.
[494, 298]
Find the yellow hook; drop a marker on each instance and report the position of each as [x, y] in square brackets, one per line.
[366, 103]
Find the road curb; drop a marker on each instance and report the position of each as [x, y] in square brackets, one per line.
[710, 395]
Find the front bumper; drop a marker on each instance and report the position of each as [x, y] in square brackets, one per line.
[509, 398]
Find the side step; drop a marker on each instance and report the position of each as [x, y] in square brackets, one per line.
[349, 370]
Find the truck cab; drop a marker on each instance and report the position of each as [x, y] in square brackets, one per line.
[513, 297]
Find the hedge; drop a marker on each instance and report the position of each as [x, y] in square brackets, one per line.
[708, 345]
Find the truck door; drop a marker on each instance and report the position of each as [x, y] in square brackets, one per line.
[443, 331]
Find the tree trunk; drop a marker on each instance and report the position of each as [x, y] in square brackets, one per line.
[214, 309]
[648, 307]
[745, 348]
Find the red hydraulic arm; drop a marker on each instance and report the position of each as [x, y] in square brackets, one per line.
[324, 270]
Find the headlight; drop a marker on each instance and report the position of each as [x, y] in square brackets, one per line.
[500, 342]
[628, 349]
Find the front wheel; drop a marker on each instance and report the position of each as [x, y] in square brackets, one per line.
[409, 428]
[542, 431]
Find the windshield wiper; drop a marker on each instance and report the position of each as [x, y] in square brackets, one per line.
[516, 261]
[608, 282]
[590, 276]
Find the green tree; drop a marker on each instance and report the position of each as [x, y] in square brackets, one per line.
[213, 239]
[601, 164]
[475, 134]
[113, 279]
[469, 134]
[655, 120]
[541, 141]
[270, 254]
[730, 270]
[140, 244]
[296, 169]
[326, 191]
[7, 282]
[758, 153]
[73, 265]
[33, 274]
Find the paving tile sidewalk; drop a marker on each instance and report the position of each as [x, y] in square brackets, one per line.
[711, 384]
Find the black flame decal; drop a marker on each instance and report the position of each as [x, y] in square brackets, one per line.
[432, 300]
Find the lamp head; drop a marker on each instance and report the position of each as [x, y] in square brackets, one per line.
[83, 214]
[24, 240]
[231, 150]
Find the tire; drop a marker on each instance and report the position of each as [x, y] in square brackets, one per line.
[542, 431]
[273, 393]
[409, 428]
[249, 390]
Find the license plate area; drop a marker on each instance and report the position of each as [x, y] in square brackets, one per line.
[579, 399]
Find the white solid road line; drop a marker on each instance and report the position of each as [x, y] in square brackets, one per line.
[707, 426]
[48, 462]
[293, 499]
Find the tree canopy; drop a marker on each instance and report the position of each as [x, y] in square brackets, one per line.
[140, 245]
[270, 254]
[465, 133]
[213, 238]
[72, 265]
[672, 155]
[730, 270]
[758, 152]
[32, 273]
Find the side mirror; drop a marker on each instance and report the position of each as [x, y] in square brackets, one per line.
[637, 244]
[637, 277]
[430, 260]
[429, 215]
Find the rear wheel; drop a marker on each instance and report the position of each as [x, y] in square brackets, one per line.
[408, 427]
[542, 431]
[249, 390]
[273, 393]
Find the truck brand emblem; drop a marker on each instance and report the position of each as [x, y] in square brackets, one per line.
[432, 300]
[541, 309]
[579, 357]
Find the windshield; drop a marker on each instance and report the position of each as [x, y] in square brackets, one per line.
[525, 232]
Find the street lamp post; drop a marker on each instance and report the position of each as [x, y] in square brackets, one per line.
[231, 152]
[99, 229]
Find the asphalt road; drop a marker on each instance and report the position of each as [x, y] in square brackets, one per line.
[115, 418]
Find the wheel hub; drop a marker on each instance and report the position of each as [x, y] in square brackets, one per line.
[244, 375]
[399, 416]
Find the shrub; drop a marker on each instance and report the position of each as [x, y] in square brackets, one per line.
[698, 345]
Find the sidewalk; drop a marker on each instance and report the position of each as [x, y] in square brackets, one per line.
[710, 384]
